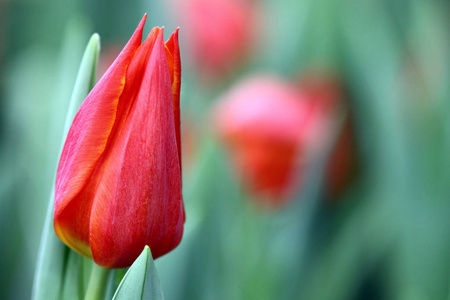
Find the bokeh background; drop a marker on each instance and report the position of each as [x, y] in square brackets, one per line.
[385, 235]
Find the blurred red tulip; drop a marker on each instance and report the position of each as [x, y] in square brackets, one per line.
[272, 128]
[118, 185]
[219, 33]
[261, 120]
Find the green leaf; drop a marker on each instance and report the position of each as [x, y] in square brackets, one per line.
[85, 79]
[52, 257]
[141, 281]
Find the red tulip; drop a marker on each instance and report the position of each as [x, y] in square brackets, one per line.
[273, 129]
[118, 184]
[261, 121]
[220, 32]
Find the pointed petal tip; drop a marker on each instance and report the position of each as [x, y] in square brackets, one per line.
[160, 35]
[140, 27]
[175, 33]
[173, 39]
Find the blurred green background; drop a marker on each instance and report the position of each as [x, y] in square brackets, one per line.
[386, 237]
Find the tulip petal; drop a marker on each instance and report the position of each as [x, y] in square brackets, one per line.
[84, 148]
[139, 199]
[174, 60]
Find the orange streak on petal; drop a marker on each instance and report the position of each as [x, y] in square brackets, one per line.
[174, 61]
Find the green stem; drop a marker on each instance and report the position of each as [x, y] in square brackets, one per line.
[97, 283]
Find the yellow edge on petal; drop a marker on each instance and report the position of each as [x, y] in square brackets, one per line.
[74, 243]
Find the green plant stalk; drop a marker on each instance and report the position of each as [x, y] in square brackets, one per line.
[97, 283]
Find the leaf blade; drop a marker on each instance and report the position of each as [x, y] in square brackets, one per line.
[141, 281]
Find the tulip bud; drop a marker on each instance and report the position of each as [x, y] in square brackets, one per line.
[118, 183]
[262, 121]
[221, 33]
[273, 129]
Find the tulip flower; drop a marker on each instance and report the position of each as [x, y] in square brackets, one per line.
[261, 121]
[272, 129]
[118, 183]
[221, 33]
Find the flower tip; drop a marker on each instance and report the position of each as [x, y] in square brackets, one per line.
[173, 37]
[142, 22]
[160, 35]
